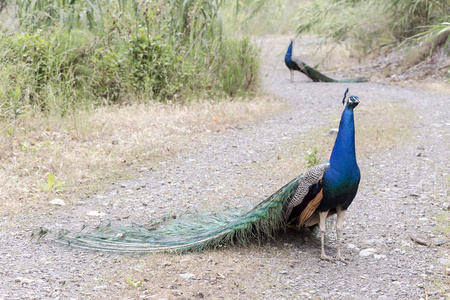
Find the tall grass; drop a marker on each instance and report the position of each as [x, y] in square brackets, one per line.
[69, 53]
[260, 17]
[358, 21]
[409, 15]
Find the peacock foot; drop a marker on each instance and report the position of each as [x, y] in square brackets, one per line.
[326, 257]
[342, 259]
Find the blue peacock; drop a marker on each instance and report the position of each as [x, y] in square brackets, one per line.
[308, 199]
[295, 64]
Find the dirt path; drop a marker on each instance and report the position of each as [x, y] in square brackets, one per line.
[403, 190]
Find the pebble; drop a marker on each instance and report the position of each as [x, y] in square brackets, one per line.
[439, 241]
[58, 202]
[23, 280]
[187, 275]
[333, 131]
[95, 213]
[367, 252]
[352, 246]
[100, 287]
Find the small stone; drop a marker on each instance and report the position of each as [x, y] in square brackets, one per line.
[187, 275]
[95, 213]
[23, 280]
[101, 287]
[166, 263]
[438, 241]
[333, 131]
[446, 206]
[444, 261]
[58, 201]
[351, 246]
[379, 256]
[367, 252]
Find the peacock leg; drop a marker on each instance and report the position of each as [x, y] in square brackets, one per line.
[339, 222]
[292, 75]
[322, 218]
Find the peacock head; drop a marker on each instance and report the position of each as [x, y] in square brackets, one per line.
[351, 102]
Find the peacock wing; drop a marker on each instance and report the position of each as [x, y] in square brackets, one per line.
[310, 177]
[301, 65]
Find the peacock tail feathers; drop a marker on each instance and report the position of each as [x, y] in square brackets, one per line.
[316, 76]
[192, 231]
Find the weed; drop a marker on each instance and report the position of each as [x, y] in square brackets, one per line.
[313, 157]
[52, 184]
[134, 284]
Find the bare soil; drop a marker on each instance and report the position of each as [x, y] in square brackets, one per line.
[402, 204]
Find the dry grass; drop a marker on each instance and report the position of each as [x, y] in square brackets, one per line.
[88, 148]
[437, 87]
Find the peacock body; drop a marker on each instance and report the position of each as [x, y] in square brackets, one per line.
[307, 199]
[295, 64]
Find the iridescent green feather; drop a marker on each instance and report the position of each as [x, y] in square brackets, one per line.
[192, 231]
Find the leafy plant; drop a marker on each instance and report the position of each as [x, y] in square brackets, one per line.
[433, 32]
[409, 15]
[134, 284]
[239, 66]
[52, 183]
[313, 157]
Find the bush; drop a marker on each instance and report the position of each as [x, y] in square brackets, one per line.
[239, 67]
[115, 50]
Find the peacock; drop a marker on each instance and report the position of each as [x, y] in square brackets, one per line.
[308, 199]
[295, 64]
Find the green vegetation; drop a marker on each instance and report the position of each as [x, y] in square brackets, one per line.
[312, 158]
[358, 21]
[68, 54]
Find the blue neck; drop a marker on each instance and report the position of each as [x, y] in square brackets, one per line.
[343, 156]
[289, 52]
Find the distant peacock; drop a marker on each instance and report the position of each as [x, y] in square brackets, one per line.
[295, 64]
[308, 199]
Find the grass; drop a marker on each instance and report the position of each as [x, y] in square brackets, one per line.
[417, 29]
[91, 147]
[66, 55]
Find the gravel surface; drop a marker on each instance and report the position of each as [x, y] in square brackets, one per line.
[402, 191]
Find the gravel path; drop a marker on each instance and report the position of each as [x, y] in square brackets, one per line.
[402, 191]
